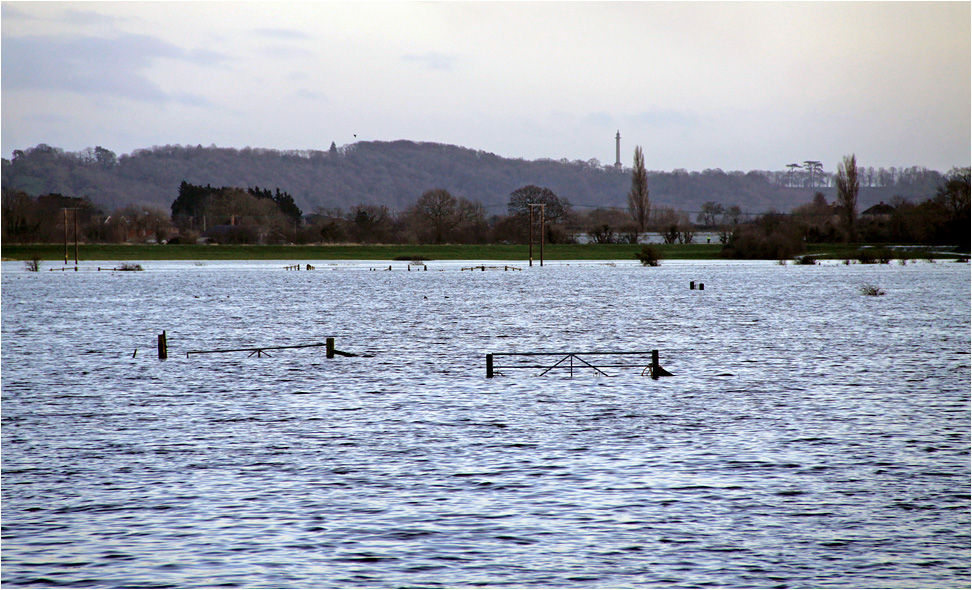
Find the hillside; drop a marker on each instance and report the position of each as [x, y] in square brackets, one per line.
[396, 173]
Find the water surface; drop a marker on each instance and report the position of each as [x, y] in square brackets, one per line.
[812, 436]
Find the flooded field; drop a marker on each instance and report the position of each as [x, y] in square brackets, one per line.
[811, 436]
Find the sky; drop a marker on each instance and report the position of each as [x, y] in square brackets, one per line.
[698, 85]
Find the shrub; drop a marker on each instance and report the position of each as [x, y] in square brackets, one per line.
[33, 265]
[865, 257]
[884, 255]
[871, 290]
[129, 266]
[648, 256]
[751, 243]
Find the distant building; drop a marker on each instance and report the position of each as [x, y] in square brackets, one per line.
[880, 211]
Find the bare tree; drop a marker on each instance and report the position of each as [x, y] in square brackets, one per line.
[438, 210]
[557, 210]
[731, 217]
[707, 216]
[847, 188]
[639, 205]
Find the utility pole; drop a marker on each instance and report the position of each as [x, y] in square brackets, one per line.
[65, 236]
[532, 205]
[75, 209]
[531, 236]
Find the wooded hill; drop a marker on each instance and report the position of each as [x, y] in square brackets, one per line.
[396, 174]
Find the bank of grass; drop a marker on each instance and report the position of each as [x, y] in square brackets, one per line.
[124, 252]
[853, 251]
[112, 252]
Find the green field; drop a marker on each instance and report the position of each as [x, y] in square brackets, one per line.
[55, 252]
[130, 252]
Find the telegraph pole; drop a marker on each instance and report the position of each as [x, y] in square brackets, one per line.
[532, 205]
[65, 236]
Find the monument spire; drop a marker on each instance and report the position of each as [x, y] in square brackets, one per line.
[617, 150]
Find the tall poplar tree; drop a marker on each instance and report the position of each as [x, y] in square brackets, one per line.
[639, 205]
[848, 186]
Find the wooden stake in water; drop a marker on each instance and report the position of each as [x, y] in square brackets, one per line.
[329, 349]
[163, 347]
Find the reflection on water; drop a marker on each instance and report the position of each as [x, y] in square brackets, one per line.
[811, 436]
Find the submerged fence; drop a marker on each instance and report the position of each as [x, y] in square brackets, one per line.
[576, 361]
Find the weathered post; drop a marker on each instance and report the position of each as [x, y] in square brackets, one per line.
[692, 285]
[656, 368]
[489, 366]
[701, 286]
[329, 348]
[163, 347]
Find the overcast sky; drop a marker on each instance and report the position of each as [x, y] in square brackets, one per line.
[737, 86]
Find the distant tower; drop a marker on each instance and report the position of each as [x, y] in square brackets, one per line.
[617, 150]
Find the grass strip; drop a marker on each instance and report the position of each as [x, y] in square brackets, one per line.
[390, 252]
[112, 252]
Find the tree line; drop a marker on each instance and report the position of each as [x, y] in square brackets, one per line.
[229, 214]
[394, 173]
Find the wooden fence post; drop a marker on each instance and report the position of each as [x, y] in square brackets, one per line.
[330, 348]
[489, 366]
[163, 347]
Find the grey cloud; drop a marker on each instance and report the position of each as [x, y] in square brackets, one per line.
[70, 17]
[91, 65]
[85, 17]
[8, 11]
[282, 34]
[284, 52]
[600, 119]
[432, 60]
[310, 95]
[666, 118]
[207, 57]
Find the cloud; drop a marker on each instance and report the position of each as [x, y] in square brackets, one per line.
[94, 66]
[310, 95]
[9, 12]
[666, 118]
[432, 60]
[282, 34]
[85, 17]
[600, 119]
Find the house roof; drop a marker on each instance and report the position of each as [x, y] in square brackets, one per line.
[881, 208]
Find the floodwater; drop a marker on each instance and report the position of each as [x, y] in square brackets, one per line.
[811, 436]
